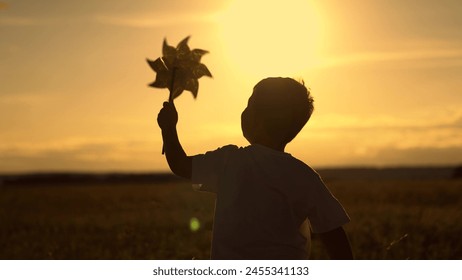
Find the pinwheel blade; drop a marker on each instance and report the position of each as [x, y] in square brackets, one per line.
[179, 68]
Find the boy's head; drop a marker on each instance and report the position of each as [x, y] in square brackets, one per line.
[278, 109]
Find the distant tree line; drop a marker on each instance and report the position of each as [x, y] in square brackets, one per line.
[457, 172]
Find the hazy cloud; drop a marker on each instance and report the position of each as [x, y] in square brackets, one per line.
[458, 122]
[19, 21]
[417, 122]
[100, 155]
[329, 147]
[381, 141]
[390, 56]
[419, 156]
[155, 20]
[119, 13]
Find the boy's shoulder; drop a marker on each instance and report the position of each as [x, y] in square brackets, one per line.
[267, 156]
[222, 151]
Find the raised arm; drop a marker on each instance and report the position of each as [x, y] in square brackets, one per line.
[179, 162]
[337, 244]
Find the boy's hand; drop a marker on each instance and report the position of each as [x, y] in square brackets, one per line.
[168, 116]
[177, 159]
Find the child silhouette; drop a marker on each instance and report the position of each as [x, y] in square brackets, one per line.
[264, 195]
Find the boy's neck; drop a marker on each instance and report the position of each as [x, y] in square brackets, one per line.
[271, 145]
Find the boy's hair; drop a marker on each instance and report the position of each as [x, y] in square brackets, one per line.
[283, 106]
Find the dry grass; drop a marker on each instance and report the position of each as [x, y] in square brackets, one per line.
[390, 220]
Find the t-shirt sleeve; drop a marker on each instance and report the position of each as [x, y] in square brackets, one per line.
[325, 212]
[207, 168]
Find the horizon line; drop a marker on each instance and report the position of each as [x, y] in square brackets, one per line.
[168, 172]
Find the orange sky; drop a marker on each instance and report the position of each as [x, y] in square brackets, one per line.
[385, 76]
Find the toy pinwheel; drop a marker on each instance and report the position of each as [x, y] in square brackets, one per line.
[179, 69]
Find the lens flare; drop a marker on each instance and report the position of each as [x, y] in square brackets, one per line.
[194, 224]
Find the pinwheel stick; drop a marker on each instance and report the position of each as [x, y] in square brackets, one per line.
[170, 96]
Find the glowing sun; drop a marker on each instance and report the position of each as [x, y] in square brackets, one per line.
[267, 38]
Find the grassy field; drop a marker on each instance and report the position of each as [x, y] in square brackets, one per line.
[391, 219]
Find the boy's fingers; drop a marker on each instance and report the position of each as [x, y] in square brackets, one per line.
[169, 104]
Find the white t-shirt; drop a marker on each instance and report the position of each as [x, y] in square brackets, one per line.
[263, 196]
